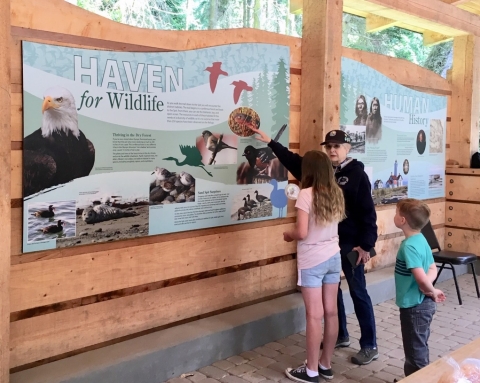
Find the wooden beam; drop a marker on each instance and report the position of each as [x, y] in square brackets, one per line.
[434, 11]
[321, 65]
[378, 23]
[456, 2]
[5, 224]
[465, 111]
[432, 38]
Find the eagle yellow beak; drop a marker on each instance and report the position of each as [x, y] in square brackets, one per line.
[48, 103]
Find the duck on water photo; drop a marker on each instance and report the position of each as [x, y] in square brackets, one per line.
[50, 220]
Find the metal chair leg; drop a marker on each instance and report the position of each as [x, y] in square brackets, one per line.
[456, 283]
[475, 279]
[438, 274]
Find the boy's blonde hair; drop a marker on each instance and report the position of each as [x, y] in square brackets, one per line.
[416, 213]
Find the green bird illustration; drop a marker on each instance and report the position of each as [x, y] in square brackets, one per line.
[193, 157]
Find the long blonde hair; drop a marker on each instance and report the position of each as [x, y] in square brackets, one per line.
[328, 200]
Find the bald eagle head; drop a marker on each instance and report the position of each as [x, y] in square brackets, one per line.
[59, 112]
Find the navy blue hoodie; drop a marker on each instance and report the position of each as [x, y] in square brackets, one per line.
[360, 226]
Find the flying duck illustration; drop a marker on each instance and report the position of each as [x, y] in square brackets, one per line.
[240, 86]
[58, 152]
[215, 71]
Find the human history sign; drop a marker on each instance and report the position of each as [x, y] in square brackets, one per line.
[121, 145]
[397, 132]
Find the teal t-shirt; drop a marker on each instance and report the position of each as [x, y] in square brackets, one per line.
[414, 252]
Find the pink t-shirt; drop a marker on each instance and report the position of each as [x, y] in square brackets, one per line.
[321, 242]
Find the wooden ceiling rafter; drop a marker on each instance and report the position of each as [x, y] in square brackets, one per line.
[383, 14]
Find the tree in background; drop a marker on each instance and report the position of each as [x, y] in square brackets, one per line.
[281, 107]
[270, 15]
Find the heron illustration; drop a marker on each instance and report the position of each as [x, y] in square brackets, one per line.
[193, 157]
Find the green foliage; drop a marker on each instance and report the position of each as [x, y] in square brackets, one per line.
[395, 42]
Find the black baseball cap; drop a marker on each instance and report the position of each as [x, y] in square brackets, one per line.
[336, 137]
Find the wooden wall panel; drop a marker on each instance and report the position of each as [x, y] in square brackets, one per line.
[295, 82]
[462, 240]
[46, 282]
[294, 126]
[465, 215]
[463, 188]
[61, 332]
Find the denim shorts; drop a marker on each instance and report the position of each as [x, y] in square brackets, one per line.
[327, 272]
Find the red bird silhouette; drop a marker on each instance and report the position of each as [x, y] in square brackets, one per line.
[215, 71]
[239, 86]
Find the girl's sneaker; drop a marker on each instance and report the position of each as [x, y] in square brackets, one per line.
[299, 374]
[327, 373]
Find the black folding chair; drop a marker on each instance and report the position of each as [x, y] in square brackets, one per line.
[444, 257]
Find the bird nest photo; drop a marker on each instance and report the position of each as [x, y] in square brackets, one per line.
[242, 119]
[51, 220]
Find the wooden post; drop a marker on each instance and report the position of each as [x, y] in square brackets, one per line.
[321, 65]
[465, 111]
[5, 224]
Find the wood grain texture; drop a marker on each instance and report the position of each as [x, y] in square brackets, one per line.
[5, 180]
[58, 333]
[462, 240]
[434, 371]
[50, 281]
[321, 62]
[463, 215]
[465, 112]
[462, 188]
[420, 15]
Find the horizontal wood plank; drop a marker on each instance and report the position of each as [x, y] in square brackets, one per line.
[463, 215]
[463, 188]
[463, 171]
[50, 281]
[45, 336]
[462, 240]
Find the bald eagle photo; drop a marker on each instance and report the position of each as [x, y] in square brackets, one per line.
[58, 152]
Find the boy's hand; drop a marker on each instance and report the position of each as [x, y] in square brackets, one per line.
[437, 295]
[262, 136]
[287, 238]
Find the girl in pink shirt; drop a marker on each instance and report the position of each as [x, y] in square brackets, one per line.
[320, 206]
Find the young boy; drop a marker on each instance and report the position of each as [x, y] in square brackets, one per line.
[415, 272]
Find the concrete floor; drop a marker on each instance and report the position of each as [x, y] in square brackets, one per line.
[453, 326]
